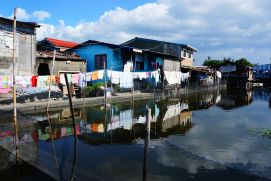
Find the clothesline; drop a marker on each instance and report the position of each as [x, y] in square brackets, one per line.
[125, 79]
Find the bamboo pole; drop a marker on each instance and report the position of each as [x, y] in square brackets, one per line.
[74, 128]
[14, 87]
[50, 83]
[147, 145]
[105, 85]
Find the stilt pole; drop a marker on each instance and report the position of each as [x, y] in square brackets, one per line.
[14, 86]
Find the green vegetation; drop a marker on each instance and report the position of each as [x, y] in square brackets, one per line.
[93, 88]
[261, 132]
[215, 64]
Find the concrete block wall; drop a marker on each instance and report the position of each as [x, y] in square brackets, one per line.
[25, 55]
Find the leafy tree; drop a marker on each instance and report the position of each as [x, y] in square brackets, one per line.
[215, 64]
[243, 62]
[212, 63]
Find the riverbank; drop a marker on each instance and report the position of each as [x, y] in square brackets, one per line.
[55, 105]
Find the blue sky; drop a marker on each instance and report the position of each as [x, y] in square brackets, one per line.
[232, 28]
[84, 10]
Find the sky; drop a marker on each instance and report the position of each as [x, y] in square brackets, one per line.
[219, 29]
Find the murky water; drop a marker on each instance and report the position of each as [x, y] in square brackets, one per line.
[209, 136]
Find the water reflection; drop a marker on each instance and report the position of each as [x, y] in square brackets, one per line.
[113, 141]
[231, 99]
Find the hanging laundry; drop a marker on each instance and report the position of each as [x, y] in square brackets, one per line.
[185, 76]
[75, 78]
[5, 84]
[23, 81]
[114, 76]
[82, 80]
[218, 74]
[94, 75]
[173, 77]
[100, 128]
[57, 79]
[42, 81]
[51, 80]
[88, 76]
[155, 75]
[62, 79]
[140, 75]
[126, 80]
[101, 74]
[128, 67]
[34, 81]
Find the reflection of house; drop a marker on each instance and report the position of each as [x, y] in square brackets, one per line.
[235, 98]
[177, 119]
[64, 62]
[25, 47]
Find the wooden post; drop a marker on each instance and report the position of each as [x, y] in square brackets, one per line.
[14, 87]
[111, 81]
[105, 85]
[74, 127]
[147, 144]
[50, 83]
[133, 90]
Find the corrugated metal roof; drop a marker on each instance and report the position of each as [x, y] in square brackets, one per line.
[62, 43]
[59, 55]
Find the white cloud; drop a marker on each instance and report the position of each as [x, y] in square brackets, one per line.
[216, 27]
[23, 15]
[41, 15]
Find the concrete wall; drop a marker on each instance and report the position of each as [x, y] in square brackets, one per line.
[187, 61]
[62, 66]
[25, 53]
[172, 65]
[88, 52]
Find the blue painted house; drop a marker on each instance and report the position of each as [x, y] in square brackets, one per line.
[114, 57]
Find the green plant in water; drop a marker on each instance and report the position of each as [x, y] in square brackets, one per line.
[261, 132]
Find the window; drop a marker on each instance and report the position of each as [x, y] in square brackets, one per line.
[139, 65]
[184, 53]
[99, 61]
[190, 54]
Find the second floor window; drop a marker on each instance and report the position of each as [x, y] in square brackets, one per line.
[184, 53]
[190, 54]
[100, 60]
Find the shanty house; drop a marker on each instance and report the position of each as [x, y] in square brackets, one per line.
[173, 55]
[25, 47]
[65, 62]
[143, 54]
[50, 44]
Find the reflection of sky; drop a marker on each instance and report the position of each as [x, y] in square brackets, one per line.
[224, 137]
[218, 135]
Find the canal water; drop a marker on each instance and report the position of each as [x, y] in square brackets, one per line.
[218, 135]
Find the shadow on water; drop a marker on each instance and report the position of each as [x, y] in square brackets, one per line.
[184, 141]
